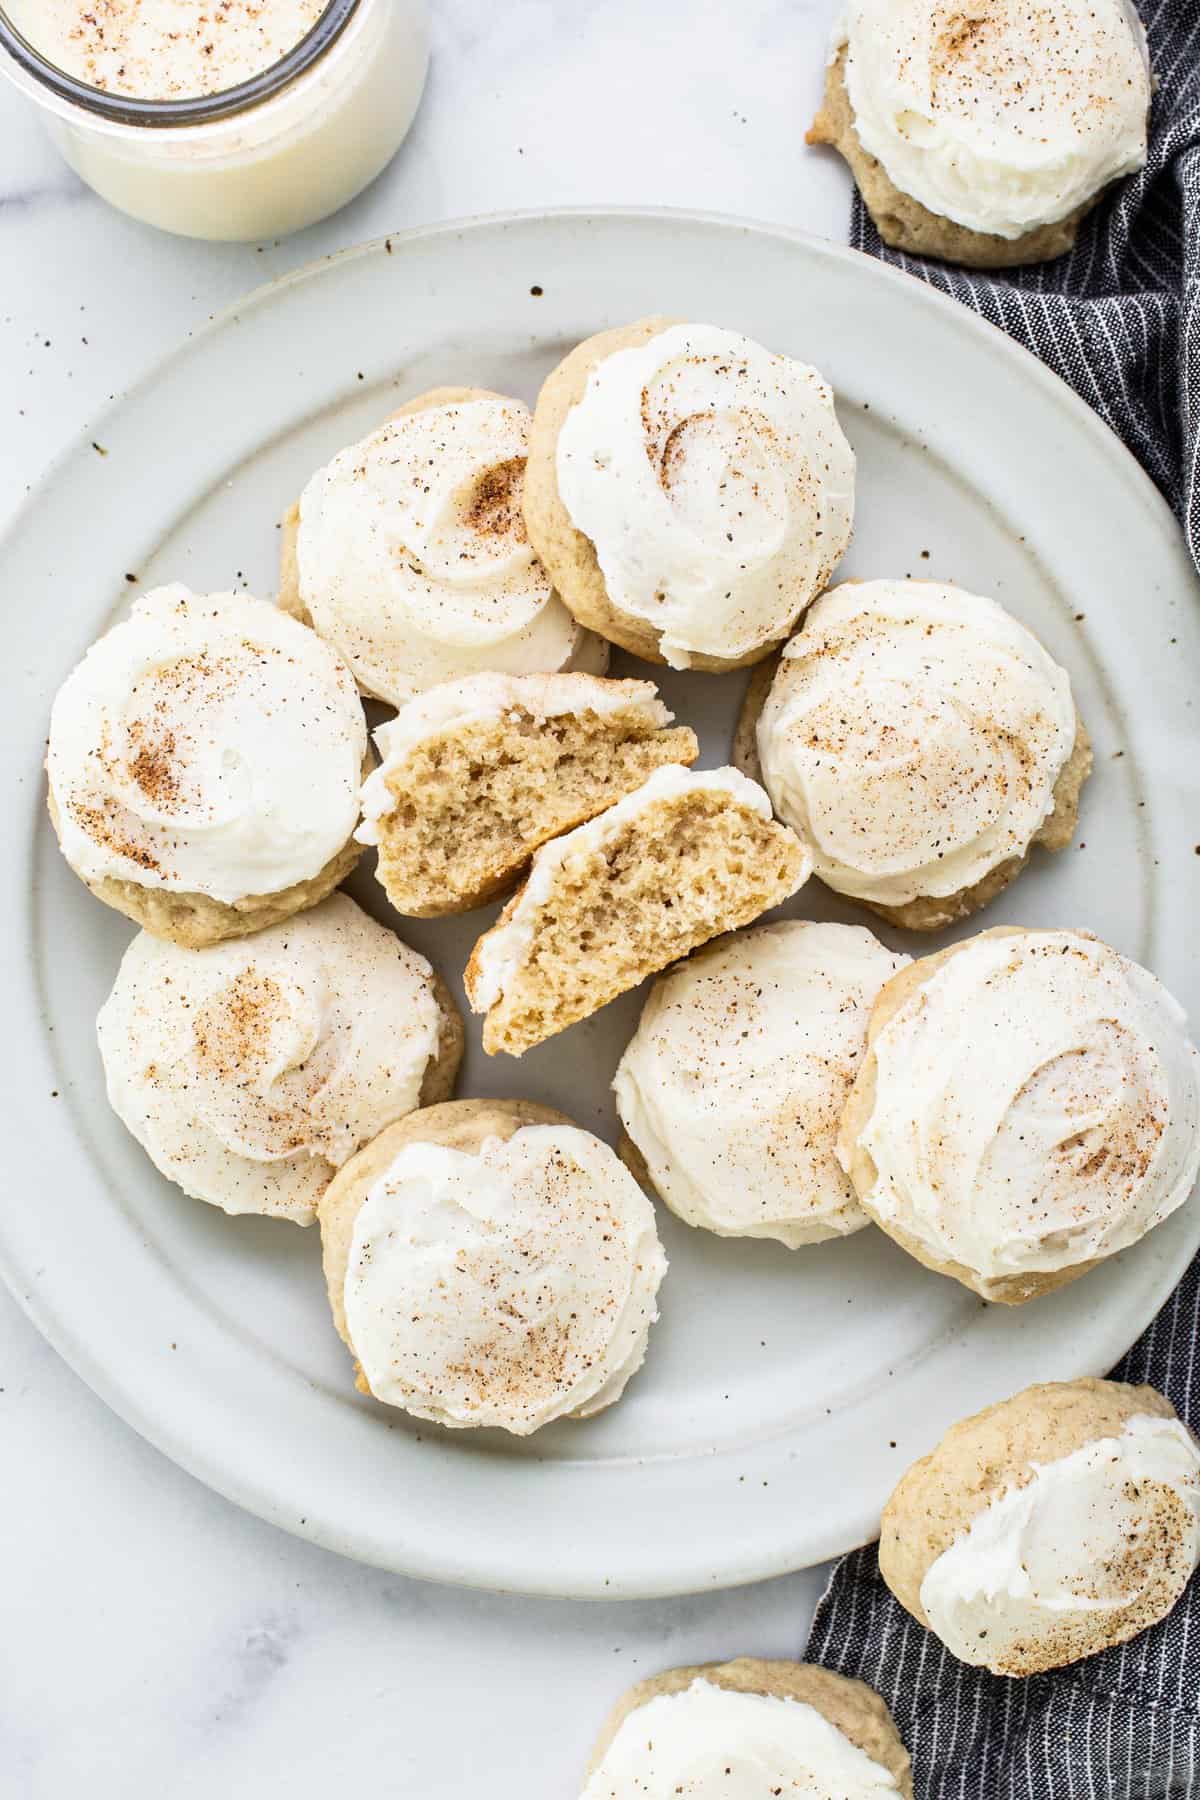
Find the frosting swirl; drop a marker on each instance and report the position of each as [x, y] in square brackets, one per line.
[1002, 116]
[715, 484]
[507, 1288]
[709, 1743]
[1037, 1106]
[912, 737]
[733, 1085]
[1060, 1565]
[251, 1070]
[413, 557]
[208, 744]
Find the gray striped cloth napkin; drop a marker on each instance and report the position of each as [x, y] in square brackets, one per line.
[1119, 319]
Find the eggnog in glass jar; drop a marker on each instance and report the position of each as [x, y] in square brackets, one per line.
[233, 119]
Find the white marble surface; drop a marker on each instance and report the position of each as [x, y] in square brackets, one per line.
[157, 1641]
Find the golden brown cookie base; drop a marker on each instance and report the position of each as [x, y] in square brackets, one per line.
[934, 912]
[852, 1707]
[442, 1072]
[981, 1458]
[456, 1125]
[569, 556]
[635, 1162]
[904, 223]
[288, 598]
[194, 921]
[745, 733]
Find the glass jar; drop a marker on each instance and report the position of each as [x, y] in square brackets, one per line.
[269, 156]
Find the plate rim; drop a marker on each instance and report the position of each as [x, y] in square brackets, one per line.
[168, 1433]
[263, 291]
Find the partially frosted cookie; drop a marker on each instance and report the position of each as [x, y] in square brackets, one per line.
[478, 773]
[408, 552]
[688, 490]
[1048, 1528]
[249, 1072]
[1028, 1105]
[984, 134]
[921, 741]
[489, 1263]
[732, 1087]
[690, 854]
[747, 1730]
[204, 763]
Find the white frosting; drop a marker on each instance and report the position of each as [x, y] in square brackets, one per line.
[413, 556]
[709, 1743]
[506, 1288]
[1037, 1105]
[912, 737]
[250, 1071]
[164, 49]
[1002, 116]
[1070, 1550]
[479, 698]
[715, 483]
[734, 1083]
[208, 744]
[501, 951]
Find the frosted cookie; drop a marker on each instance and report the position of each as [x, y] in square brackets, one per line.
[204, 763]
[477, 774]
[489, 1263]
[732, 1087]
[921, 742]
[249, 1072]
[408, 552]
[1028, 1105]
[984, 134]
[746, 1730]
[1048, 1528]
[688, 491]
[690, 854]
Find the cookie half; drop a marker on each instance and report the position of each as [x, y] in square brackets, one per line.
[690, 854]
[478, 774]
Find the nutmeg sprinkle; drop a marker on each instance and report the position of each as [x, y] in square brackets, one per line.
[506, 1286]
[165, 49]
[207, 744]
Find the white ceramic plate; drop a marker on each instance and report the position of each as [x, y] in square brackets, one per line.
[784, 1391]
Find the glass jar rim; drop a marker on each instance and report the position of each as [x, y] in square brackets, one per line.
[200, 109]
